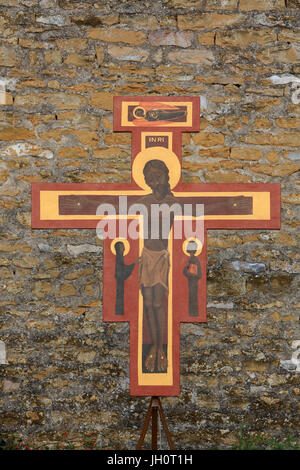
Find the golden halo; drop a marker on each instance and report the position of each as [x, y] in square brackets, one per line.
[123, 240]
[139, 117]
[199, 245]
[156, 153]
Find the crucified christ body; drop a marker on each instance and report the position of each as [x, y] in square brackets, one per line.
[154, 261]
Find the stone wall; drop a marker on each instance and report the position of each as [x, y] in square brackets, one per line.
[61, 62]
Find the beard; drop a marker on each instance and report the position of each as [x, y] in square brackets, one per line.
[161, 188]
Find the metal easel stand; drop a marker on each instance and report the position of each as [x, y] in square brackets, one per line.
[153, 410]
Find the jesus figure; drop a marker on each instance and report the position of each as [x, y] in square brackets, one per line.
[155, 263]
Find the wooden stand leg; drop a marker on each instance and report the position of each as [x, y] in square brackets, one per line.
[154, 427]
[154, 408]
[145, 427]
[165, 426]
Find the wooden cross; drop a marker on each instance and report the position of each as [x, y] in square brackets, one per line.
[156, 124]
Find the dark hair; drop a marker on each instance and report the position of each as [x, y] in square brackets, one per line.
[118, 246]
[160, 165]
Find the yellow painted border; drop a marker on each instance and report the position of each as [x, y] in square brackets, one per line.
[149, 378]
[49, 203]
[188, 123]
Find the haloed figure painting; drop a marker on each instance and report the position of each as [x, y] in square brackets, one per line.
[122, 272]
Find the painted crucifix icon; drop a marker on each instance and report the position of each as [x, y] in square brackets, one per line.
[154, 233]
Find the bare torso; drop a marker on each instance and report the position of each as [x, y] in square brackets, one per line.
[160, 242]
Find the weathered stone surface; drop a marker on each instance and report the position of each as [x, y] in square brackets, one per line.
[8, 57]
[257, 5]
[72, 152]
[62, 62]
[144, 21]
[57, 20]
[272, 157]
[224, 5]
[100, 54]
[118, 35]
[53, 58]
[247, 267]
[102, 100]
[128, 53]
[79, 60]
[230, 177]
[285, 54]
[208, 21]
[244, 153]
[206, 139]
[288, 123]
[58, 100]
[289, 35]
[10, 3]
[289, 139]
[2, 353]
[170, 38]
[207, 39]
[16, 133]
[7, 247]
[9, 420]
[41, 289]
[6, 99]
[76, 250]
[276, 170]
[9, 386]
[292, 3]
[244, 38]
[34, 417]
[26, 262]
[220, 285]
[74, 44]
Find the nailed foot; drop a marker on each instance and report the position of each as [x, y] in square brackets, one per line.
[150, 361]
[162, 361]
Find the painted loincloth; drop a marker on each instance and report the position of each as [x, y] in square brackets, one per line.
[154, 268]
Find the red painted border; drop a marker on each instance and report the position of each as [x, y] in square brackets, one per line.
[118, 107]
[35, 205]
